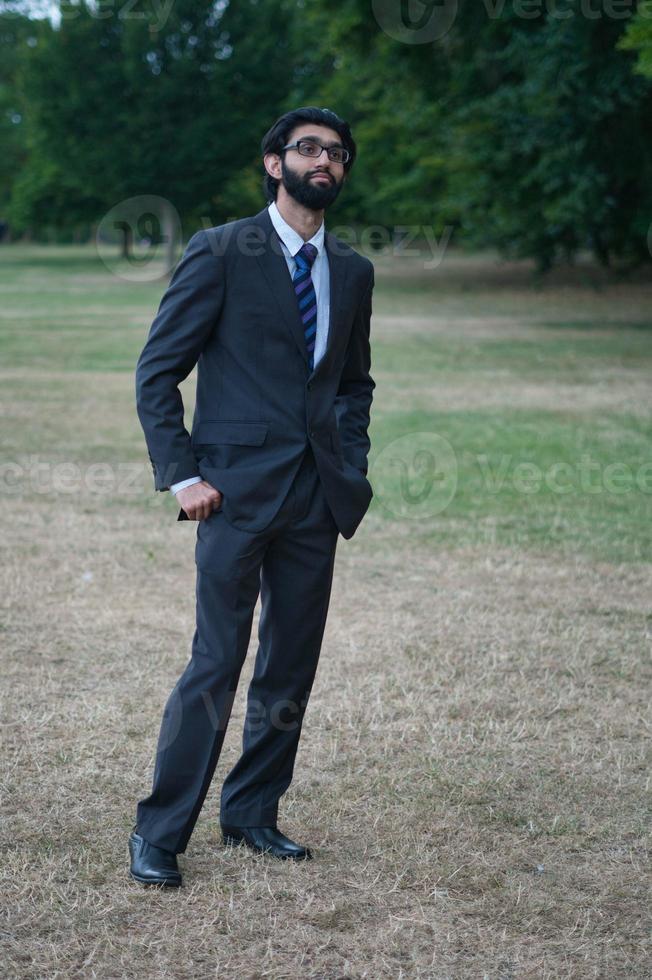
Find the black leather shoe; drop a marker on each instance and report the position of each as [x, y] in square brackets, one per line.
[151, 865]
[266, 840]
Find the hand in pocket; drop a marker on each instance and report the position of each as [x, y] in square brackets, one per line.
[199, 500]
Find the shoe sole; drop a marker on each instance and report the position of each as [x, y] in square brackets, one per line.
[229, 839]
[163, 883]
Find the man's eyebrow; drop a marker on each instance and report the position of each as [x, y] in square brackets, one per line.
[317, 139]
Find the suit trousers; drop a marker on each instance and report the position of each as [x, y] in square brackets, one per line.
[290, 564]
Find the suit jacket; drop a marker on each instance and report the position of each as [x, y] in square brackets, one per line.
[230, 309]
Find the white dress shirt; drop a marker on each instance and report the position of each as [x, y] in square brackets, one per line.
[291, 242]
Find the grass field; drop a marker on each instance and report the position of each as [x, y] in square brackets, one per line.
[473, 772]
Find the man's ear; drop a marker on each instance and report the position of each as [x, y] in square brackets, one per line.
[272, 162]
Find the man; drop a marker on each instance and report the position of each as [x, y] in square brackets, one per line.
[275, 312]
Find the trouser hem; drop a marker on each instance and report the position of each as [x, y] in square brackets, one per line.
[167, 842]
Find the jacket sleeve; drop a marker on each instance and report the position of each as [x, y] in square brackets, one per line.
[183, 324]
[355, 391]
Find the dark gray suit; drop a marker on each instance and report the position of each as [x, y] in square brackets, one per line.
[287, 448]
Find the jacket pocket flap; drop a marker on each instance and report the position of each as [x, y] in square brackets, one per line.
[222, 432]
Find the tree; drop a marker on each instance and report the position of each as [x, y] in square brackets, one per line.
[16, 31]
[551, 148]
[529, 135]
[638, 37]
[120, 107]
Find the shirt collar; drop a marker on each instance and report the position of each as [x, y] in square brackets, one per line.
[291, 238]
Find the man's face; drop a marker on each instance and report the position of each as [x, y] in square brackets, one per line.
[313, 182]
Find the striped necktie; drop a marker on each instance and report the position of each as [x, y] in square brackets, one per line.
[306, 296]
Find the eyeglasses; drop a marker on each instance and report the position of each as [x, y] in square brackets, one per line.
[310, 148]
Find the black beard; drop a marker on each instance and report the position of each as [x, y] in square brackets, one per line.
[306, 192]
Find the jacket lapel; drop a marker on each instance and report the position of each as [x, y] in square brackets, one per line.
[338, 270]
[274, 267]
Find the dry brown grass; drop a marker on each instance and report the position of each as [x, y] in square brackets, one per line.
[471, 776]
[471, 773]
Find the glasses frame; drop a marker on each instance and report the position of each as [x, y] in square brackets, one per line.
[295, 146]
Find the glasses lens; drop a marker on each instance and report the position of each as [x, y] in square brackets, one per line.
[338, 155]
[308, 149]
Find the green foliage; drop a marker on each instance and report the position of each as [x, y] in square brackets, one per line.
[14, 34]
[530, 135]
[551, 155]
[638, 37]
[171, 106]
[380, 87]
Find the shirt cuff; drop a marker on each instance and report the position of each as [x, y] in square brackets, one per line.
[175, 487]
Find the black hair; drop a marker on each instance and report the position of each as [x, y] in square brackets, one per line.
[278, 136]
